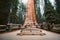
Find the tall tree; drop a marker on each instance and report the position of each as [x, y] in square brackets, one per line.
[13, 9]
[37, 9]
[58, 11]
[4, 11]
[49, 12]
[21, 11]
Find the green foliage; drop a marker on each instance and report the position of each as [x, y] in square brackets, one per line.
[21, 11]
[57, 11]
[12, 15]
[5, 6]
[4, 11]
[49, 12]
[37, 9]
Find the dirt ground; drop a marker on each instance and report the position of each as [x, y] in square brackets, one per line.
[13, 36]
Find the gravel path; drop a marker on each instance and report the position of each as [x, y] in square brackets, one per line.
[13, 36]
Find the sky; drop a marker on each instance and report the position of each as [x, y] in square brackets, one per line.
[52, 1]
[24, 1]
[42, 4]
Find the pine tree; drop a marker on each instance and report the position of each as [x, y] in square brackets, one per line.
[12, 15]
[4, 11]
[57, 11]
[49, 12]
[37, 7]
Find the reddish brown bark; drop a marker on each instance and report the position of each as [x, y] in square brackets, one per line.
[30, 13]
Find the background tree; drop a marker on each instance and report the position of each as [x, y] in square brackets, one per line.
[4, 11]
[37, 9]
[21, 12]
[57, 11]
[49, 12]
[13, 9]
[8, 10]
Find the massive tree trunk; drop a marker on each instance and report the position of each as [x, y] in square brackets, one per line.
[30, 13]
[31, 26]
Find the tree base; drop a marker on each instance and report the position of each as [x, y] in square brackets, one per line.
[31, 31]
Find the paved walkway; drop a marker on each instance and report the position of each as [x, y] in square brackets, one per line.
[13, 36]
